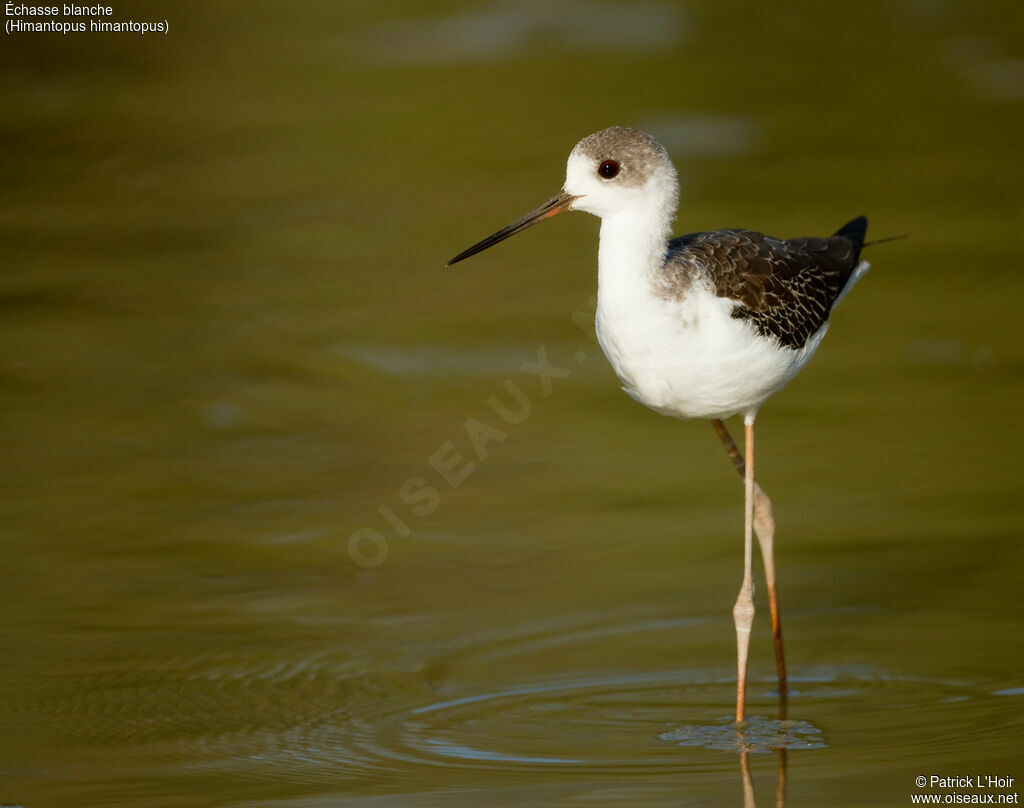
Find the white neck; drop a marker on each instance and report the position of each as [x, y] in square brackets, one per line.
[632, 250]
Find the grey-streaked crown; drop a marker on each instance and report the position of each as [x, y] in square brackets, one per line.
[638, 154]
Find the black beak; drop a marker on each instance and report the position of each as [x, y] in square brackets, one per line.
[552, 207]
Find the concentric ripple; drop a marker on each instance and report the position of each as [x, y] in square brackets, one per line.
[600, 722]
[480, 710]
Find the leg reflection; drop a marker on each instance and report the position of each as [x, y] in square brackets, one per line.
[749, 801]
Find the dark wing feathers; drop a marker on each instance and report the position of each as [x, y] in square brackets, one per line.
[785, 289]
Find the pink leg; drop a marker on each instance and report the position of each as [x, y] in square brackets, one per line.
[764, 526]
[743, 610]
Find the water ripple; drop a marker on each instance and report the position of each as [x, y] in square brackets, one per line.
[314, 718]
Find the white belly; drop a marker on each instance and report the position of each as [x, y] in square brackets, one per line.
[691, 358]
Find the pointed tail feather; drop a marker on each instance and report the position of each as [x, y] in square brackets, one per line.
[855, 230]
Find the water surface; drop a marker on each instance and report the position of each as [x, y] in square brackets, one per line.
[229, 351]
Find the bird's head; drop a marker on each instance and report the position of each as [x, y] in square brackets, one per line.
[620, 170]
[614, 171]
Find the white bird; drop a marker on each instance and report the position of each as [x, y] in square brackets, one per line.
[707, 325]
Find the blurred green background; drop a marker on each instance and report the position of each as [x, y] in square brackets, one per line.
[230, 349]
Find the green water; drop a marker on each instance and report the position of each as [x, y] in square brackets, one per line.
[229, 351]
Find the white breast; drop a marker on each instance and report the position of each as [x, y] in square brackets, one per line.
[691, 358]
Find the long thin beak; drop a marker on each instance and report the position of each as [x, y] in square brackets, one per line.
[552, 207]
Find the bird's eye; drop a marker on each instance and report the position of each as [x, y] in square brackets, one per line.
[608, 169]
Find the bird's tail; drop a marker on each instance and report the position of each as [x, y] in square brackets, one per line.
[856, 229]
[854, 232]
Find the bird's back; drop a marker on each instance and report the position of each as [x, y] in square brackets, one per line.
[784, 288]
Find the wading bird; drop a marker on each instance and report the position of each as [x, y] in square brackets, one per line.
[707, 325]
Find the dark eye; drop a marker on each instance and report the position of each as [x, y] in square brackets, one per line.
[608, 169]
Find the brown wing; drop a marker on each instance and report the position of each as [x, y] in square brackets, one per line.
[785, 289]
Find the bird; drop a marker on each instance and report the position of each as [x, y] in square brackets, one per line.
[707, 325]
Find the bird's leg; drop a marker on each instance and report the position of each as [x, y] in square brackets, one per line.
[764, 527]
[730, 445]
[764, 523]
[743, 610]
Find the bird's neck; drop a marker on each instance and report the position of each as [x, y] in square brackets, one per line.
[632, 252]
